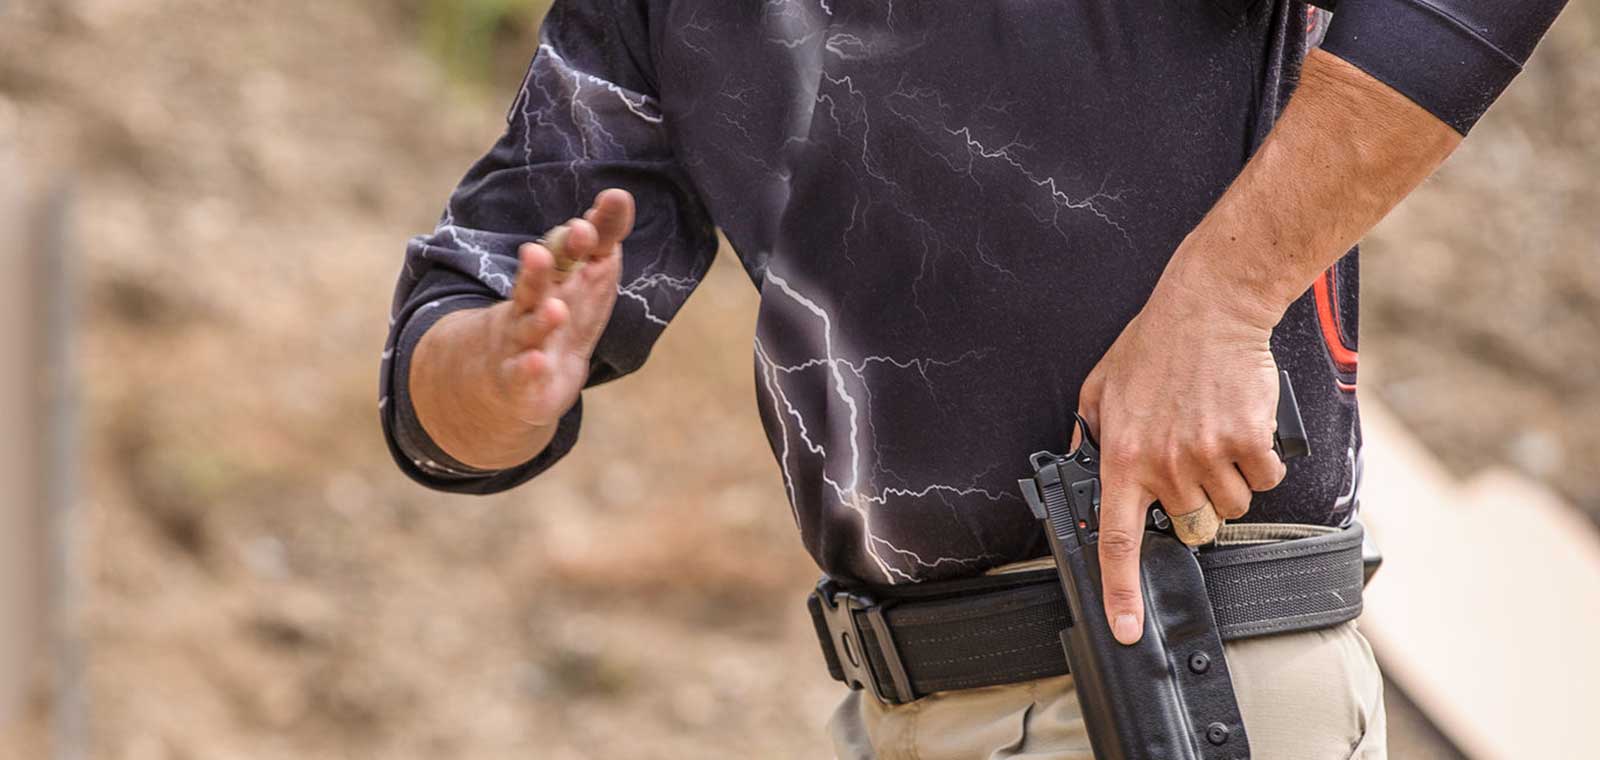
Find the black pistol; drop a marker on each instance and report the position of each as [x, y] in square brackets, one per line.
[1170, 696]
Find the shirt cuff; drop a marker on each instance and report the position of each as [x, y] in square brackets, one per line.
[1432, 58]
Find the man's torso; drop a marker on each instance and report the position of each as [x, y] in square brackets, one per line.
[951, 209]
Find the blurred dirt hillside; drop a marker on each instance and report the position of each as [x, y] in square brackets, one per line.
[264, 584]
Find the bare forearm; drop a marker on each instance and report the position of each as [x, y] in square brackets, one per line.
[1347, 149]
[457, 399]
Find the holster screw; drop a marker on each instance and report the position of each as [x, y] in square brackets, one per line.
[1199, 662]
[1217, 734]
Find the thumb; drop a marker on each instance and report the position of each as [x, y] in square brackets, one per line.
[1122, 507]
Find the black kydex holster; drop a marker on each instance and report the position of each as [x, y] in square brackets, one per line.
[1170, 696]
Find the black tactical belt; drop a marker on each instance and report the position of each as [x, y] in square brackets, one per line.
[903, 643]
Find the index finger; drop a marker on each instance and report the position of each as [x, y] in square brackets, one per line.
[1122, 515]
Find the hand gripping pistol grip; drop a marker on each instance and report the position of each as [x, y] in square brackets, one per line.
[1168, 697]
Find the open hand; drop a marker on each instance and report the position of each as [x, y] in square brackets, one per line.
[490, 384]
[541, 338]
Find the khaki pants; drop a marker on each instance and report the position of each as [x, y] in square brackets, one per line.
[1314, 695]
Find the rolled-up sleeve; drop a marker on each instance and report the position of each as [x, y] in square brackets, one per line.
[1452, 57]
[587, 118]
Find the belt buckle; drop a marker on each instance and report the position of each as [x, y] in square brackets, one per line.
[839, 608]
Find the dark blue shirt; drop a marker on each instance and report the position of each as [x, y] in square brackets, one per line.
[950, 209]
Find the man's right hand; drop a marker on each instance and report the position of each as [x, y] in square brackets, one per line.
[489, 385]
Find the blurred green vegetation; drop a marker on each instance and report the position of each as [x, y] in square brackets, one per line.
[481, 42]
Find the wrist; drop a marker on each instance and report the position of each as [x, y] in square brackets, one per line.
[1217, 278]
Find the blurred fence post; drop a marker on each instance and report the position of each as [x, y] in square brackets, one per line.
[58, 285]
[39, 535]
[22, 524]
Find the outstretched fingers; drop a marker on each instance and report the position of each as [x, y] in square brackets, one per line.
[612, 217]
[592, 293]
[597, 240]
[536, 314]
[566, 283]
[533, 276]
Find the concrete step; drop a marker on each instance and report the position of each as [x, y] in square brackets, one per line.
[1487, 609]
